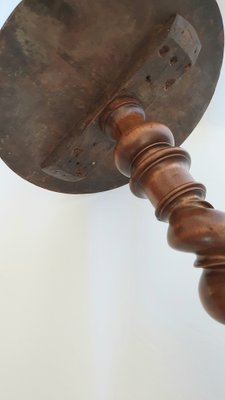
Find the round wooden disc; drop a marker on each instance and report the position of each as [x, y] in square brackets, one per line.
[62, 61]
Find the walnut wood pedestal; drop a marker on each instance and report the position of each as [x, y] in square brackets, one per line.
[145, 153]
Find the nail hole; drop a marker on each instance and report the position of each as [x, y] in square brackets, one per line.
[173, 60]
[148, 79]
[169, 83]
[78, 163]
[164, 50]
[187, 67]
[94, 144]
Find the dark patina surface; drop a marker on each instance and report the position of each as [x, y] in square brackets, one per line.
[62, 62]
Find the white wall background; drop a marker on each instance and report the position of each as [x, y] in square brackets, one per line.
[94, 305]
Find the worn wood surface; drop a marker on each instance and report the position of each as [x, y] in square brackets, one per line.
[62, 62]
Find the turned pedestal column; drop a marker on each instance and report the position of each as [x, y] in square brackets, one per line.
[159, 171]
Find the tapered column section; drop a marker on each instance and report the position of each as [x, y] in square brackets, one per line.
[159, 171]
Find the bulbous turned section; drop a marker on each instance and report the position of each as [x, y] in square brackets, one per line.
[212, 293]
[196, 228]
[159, 171]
